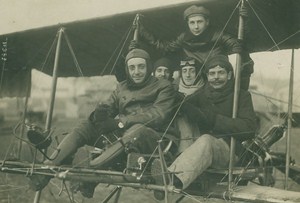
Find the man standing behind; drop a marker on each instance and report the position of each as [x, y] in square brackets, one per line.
[142, 104]
[202, 40]
[212, 110]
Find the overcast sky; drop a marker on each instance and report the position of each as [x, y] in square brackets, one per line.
[19, 15]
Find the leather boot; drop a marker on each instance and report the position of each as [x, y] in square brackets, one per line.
[64, 151]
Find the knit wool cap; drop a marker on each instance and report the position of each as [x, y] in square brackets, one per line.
[196, 10]
[163, 62]
[218, 60]
[137, 53]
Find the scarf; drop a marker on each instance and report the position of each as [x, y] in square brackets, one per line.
[134, 86]
[190, 89]
[219, 95]
[202, 42]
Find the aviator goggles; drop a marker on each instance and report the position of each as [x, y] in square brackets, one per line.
[191, 62]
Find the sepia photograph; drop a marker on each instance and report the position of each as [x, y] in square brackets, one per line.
[130, 101]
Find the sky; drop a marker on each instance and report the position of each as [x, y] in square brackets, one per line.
[19, 15]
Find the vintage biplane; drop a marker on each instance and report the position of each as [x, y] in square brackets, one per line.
[96, 47]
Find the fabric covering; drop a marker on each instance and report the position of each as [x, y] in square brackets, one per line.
[95, 40]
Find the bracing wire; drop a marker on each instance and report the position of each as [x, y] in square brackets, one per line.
[264, 26]
[79, 70]
[120, 52]
[66, 192]
[190, 196]
[282, 41]
[49, 52]
[270, 99]
[8, 149]
[120, 43]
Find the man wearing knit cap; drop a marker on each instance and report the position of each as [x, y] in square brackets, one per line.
[212, 108]
[137, 112]
[201, 40]
[163, 68]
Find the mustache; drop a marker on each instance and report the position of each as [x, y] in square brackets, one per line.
[216, 81]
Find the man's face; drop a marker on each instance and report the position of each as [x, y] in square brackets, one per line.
[197, 24]
[137, 69]
[218, 77]
[162, 72]
[188, 74]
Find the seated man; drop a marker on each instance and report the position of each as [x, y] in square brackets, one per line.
[191, 76]
[212, 110]
[163, 68]
[191, 80]
[142, 103]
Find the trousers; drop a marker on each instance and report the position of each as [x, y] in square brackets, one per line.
[207, 151]
[142, 138]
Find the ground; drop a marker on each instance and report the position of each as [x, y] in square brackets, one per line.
[14, 188]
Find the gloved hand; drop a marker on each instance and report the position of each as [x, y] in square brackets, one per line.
[239, 48]
[101, 113]
[133, 45]
[145, 35]
[107, 126]
[204, 117]
[243, 11]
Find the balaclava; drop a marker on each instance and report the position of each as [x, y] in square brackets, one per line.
[138, 53]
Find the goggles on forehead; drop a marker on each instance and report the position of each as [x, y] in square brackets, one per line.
[191, 62]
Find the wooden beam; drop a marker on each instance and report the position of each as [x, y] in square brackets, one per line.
[256, 193]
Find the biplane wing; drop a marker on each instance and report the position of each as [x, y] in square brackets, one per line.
[273, 25]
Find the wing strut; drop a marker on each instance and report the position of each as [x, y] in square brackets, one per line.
[290, 118]
[52, 96]
[235, 99]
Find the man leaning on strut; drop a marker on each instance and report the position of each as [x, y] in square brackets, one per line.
[137, 111]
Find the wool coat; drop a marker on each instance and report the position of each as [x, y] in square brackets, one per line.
[151, 105]
[211, 42]
[220, 106]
